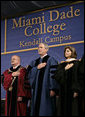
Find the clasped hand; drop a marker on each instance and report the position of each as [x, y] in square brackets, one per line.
[69, 66]
[19, 99]
[15, 73]
[41, 65]
[52, 93]
[75, 94]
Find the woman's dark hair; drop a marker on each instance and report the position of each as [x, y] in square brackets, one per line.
[73, 50]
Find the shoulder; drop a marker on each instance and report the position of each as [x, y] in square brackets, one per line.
[6, 72]
[22, 68]
[62, 62]
[34, 62]
[76, 61]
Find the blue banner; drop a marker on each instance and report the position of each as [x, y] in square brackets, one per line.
[53, 26]
[57, 26]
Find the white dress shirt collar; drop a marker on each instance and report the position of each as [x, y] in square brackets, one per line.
[43, 56]
[15, 67]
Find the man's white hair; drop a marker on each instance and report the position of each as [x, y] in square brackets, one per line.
[17, 57]
[45, 45]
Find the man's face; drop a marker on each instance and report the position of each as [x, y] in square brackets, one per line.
[14, 60]
[42, 50]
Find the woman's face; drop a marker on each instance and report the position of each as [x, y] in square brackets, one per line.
[68, 53]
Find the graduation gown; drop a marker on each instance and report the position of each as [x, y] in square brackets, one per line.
[81, 82]
[12, 106]
[81, 74]
[41, 84]
[68, 80]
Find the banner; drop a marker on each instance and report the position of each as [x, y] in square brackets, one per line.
[53, 26]
[57, 26]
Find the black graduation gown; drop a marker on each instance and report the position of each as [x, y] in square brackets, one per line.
[68, 80]
[81, 74]
[81, 81]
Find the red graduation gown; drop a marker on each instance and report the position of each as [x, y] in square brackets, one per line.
[12, 106]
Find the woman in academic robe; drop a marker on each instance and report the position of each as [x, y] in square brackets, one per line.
[67, 76]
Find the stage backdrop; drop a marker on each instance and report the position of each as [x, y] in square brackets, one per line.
[57, 26]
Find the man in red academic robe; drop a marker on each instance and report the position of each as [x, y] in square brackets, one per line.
[17, 93]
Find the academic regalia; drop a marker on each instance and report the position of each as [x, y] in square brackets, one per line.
[41, 84]
[81, 73]
[12, 106]
[81, 82]
[68, 80]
